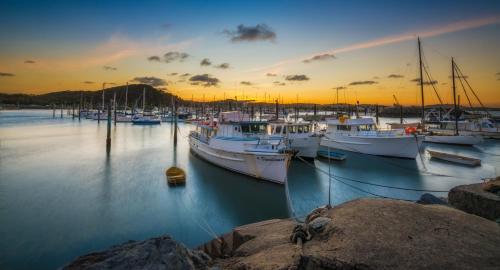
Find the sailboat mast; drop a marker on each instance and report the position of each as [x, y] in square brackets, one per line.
[103, 96]
[454, 94]
[143, 99]
[126, 98]
[421, 82]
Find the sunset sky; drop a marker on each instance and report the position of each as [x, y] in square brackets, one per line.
[252, 49]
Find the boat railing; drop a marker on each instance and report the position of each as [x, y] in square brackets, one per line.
[266, 144]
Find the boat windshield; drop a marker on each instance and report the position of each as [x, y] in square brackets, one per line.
[365, 128]
[254, 128]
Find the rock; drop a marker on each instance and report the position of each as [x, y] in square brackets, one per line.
[475, 200]
[319, 224]
[428, 198]
[375, 234]
[492, 186]
[156, 253]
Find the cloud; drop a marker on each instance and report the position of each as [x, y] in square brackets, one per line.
[205, 80]
[173, 73]
[320, 57]
[205, 62]
[271, 74]
[339, 88]
[29, 62]
[278, 83]
[395, 76]
[4, 74]
[153, 81]
[498, 73]
[246, 83]
[88, 82]
[363, 83]
[154, 58]
[251, 33]
[417, 80]
[109, 68]
[222, 66]
[296, 78]
[186, 75]
[175, 56]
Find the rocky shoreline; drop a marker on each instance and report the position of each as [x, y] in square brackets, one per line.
[360, 234]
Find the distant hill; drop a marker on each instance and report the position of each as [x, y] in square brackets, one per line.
[154, 97]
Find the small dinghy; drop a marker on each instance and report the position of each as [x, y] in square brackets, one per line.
[332, 155]
[455, 158]
[176, 176]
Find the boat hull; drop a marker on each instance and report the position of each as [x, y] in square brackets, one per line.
[401, 146]
[266, 166]
[450, 139]
[307, 147]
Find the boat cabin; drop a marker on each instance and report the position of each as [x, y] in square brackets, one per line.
[343, 125]
[283, 129]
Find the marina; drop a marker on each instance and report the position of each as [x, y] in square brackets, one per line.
[55, 211]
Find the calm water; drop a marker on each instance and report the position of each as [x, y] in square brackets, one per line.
[61, 196]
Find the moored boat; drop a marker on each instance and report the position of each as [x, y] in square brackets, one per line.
[455, 158]
[240, 146]
[300, 136]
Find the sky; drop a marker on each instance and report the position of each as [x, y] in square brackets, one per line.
[303, 51]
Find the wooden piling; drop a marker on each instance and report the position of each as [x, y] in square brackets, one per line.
[62, 108]
[108, 136]
[401, 114]
[376, 113]
[53, 110]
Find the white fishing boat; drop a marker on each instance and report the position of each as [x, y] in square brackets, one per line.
[301, 137]
[455, 158]
[362, 135]
[483, 127]
[239, 145]
[453, 139]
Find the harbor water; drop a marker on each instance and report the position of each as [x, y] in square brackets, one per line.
[62, 196]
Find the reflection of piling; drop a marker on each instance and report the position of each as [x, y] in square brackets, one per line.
[315, 111]
[53, 110]
[73, 110]
[108, 136]
[62, 107]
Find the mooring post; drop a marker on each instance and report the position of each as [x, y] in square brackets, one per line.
[174, 105]
[114, 107]
[376, 113]
[315, 111]
[79, 110]
[62, 107]
[108, 136]
[401, 114]
[53, 110]
[73, 110]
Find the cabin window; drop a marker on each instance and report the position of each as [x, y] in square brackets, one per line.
[292, 129]
[277, 130]
[284, 130]
[344, 128]
[365, 127]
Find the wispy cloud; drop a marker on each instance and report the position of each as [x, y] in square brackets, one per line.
[153, 81]
[246, 83]
[271, 74]
[296, 78]
[395, 76]
[204, 79]
[205, 62]
[251, 33]
[319, 57]
[431, 32]
[29, 62]
[109, 68]
[363, 83]
[222, 66]
[88, 82]
[5, 74]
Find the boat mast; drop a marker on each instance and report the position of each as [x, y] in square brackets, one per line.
[421, 81]
[454, 95]
[143, 99]
[126, 100]
[103, 96]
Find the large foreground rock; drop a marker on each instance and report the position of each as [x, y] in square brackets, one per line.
[156, 253]
[373, 234]
[479, 199]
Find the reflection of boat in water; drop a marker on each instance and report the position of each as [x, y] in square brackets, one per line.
[362, 136]
[240, 145]
[300, 136]
[455, 158]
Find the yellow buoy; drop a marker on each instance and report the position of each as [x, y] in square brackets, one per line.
[175, 176]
